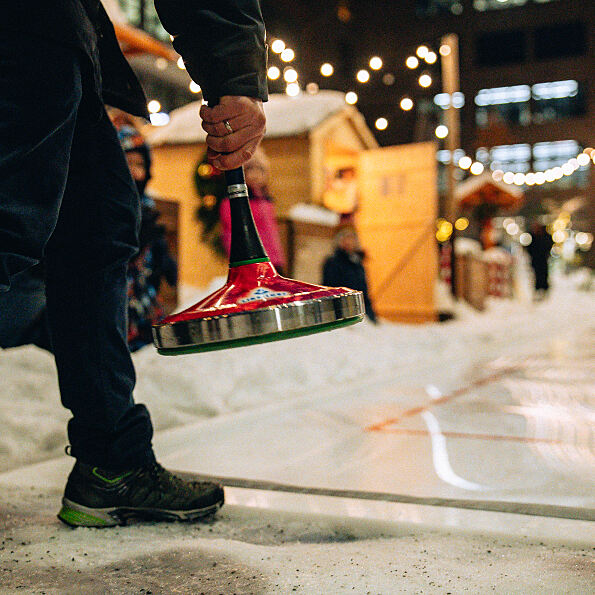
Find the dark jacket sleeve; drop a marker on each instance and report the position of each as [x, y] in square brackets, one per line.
[222, 43]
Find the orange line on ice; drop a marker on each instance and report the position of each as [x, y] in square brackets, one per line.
[441, 400]
[526, 439]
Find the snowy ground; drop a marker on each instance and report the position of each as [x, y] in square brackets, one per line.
[265, 544]
[255, 551]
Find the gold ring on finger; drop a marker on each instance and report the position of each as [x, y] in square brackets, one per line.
[228, 126]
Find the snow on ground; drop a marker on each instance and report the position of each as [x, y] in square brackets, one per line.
[184, 389]
[256, 551]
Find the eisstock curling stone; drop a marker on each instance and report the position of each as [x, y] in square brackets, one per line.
[256, 304]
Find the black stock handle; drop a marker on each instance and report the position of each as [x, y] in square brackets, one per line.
[246, 245]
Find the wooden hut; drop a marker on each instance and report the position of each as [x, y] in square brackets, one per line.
[305, 136]
[309, 139]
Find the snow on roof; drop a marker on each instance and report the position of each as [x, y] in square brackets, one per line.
[310, 213]
[286, 116]
[474, 183]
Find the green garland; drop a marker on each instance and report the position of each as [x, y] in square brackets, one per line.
[210, 186]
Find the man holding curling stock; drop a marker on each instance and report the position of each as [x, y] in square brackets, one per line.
[66, 196]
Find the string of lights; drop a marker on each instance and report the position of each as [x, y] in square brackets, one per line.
[425, 56]
[583, 159]
[422, 57]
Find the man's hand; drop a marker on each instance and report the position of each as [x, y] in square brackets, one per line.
[231, 145]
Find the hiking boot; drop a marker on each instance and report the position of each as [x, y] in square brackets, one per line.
[98, 498]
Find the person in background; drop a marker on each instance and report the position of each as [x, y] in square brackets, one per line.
[153, 262]
[256, 172]
[345, 268]
[68, 199]
[539, 251]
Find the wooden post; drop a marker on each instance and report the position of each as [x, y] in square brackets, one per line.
[450, 85]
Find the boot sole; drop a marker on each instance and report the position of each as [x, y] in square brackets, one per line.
[76, 515]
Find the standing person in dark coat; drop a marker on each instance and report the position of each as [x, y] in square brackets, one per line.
[68, 197]
[539, 251]
[345, 268]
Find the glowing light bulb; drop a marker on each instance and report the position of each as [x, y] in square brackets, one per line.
[273, 73]
[290, 75]
[444, 50]
[508, 177]
[381, 123]
[583, 159]
[287, 55]
[292, 89]
[327, 69]
[441, 131]
[476, 168]
[425, 80]
[375, 63]
[497, 175]
[462, 223]
[194, 88]
[278, 46]
[351, 98]
[412, 62]
[153, 106]
[181, 64]
[519, 179]
[431, 57]
[581, 238]
[406, 104]
[465, 162]
[422, 51]
[363, 76]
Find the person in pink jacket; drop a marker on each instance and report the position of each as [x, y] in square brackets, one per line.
[257, 173]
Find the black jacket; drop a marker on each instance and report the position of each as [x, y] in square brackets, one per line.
[222, 43]
[347, 270]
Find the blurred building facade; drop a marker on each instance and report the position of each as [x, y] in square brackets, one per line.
[527, 82]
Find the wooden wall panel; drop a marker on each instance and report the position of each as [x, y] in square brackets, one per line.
[396, 223]
[173, 170]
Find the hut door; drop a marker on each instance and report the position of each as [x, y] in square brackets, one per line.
[396, 223]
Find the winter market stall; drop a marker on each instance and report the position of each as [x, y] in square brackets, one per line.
[305, 136]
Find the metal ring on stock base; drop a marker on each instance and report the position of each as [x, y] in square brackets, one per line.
[282, 321]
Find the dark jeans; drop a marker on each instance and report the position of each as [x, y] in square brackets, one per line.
[25, 315]
[66, 194]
